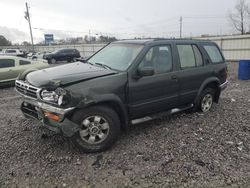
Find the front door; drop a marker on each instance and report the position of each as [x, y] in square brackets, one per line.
[150, 94]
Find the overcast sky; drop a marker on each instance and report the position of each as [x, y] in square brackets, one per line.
[120, 18]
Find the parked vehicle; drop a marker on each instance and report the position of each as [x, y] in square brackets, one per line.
[127, 82]
[12, 52]
[36, 55]
[11, 67]
[62, 55]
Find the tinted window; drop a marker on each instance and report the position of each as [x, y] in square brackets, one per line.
[214, 54]
[10, 51]
[22, 62]
[186, 54]
[158, 57]
[5, 63]
[198, 56]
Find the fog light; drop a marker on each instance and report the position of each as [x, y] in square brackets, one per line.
[52, 116]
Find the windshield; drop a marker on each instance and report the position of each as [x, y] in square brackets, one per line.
[116, 56]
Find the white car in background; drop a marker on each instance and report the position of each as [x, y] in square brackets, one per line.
[12, 52]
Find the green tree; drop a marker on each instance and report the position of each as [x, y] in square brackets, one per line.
[4, 41]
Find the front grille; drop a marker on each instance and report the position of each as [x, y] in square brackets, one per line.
[26, 89]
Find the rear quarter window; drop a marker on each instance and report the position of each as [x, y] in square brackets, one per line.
[213, 53]
[23, 62]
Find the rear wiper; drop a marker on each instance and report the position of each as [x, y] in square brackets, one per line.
[103, 65]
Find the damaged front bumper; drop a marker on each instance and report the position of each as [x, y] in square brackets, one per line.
[45, 113]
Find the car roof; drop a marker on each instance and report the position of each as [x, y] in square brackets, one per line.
[154, 40]
[13, 57]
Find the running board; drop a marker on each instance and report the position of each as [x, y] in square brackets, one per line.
[161, 114]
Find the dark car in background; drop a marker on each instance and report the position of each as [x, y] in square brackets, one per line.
[62, 55]
[127, 82]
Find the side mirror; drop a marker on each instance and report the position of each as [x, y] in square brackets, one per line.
[145, 71]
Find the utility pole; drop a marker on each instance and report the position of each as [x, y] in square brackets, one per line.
[181, 27]
[27, 17]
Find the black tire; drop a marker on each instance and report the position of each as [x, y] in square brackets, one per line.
[114, 128]
[206, 93]
[52, 61]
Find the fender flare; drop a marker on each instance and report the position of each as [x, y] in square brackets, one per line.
[204, 84]
[110, 100]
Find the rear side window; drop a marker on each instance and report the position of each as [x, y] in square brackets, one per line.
[214, 53]
[186, 55]
[198, 56]
[10, 51]
[22, 62]
[5, 63]
[190, 56]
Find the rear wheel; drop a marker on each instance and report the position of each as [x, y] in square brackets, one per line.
[99, 128]
[53, 61]
[206, 100]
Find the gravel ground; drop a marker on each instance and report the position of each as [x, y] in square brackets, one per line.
[183, 150]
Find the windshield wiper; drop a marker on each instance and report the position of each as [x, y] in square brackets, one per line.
[103, 65]
[84, 61]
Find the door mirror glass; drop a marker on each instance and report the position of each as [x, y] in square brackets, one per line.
[145, 71]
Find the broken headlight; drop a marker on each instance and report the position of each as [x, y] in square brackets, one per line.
[59, 96]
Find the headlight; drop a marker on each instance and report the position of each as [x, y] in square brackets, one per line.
[59, 96]
[49, 96]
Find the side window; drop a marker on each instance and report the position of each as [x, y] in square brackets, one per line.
[158, 57]
[22, 62]
[10, 51]
[5, 63]
[198, 56]
[214, 53]
[186, 54]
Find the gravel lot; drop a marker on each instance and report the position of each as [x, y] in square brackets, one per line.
[183, 150]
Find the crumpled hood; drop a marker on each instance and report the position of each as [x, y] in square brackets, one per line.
[66, 74]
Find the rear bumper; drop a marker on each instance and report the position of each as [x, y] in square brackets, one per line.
[224, 85]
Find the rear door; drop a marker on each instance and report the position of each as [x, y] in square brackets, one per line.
[193, 71]
[7, 70]
[158, 92]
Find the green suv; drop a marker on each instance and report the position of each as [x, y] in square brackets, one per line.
[127, 82]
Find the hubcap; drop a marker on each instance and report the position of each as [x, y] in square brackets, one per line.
[206, 102]
[53, 61]
[95, 129]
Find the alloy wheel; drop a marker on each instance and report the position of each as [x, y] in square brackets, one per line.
[95, 129]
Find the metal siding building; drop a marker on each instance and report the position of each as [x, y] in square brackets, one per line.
[235, 47]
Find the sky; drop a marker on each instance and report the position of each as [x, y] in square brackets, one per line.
[119, 18]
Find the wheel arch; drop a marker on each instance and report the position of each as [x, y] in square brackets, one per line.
[112, 102]
[213, 83]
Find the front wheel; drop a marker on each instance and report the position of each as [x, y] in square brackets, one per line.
[99, 128]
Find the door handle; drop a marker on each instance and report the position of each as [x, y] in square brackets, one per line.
[174, 77]
[10, 70]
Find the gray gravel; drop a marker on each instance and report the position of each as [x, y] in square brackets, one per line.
[183, 150]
